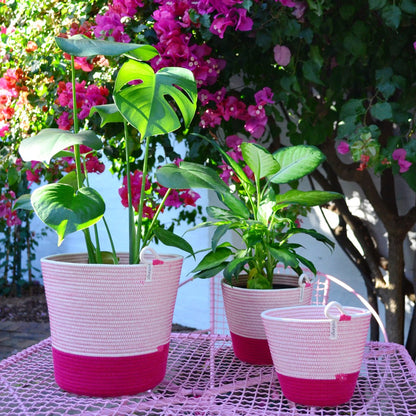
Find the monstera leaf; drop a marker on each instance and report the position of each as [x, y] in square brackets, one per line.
[146, 98]
[65, 210]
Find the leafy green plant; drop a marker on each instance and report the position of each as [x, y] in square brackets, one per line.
[153, 103]
[255, 210]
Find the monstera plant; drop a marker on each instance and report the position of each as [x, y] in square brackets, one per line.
[153, 103]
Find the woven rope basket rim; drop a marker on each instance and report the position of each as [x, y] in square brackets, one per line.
[238, 288]
[360, 312]
[61, 258]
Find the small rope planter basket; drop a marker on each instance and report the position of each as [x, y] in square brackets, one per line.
[110, 324]
[317, 351]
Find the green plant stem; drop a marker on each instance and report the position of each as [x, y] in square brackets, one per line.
[113, 249]
[133, 247]
[77, 157]
[146, 238]
[141, 203]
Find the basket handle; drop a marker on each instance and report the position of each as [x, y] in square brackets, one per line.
[362, 300]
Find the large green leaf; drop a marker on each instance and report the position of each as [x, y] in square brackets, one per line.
[147, 105]
[170, 239]
[23, 202]
[313, 233]
[284, 256]
[307, 198]
[235, 267]
[236, 206]
[213, 259]
[65, 210]
[190, 175]
[296, 162]
[49, 142]
[80, 45]
[259, 160]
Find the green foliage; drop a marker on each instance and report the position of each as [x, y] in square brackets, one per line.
[254, 211]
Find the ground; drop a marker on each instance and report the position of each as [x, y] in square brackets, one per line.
[27, 308]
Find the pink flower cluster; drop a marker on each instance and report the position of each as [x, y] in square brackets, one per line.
[6, 211]
[227, 16]
[176, 198]
[87, 97]
[92, 163]
[223, 107]
[33, 175]
[176, 45]
[110, 24]
[10, 88]
[400, 156]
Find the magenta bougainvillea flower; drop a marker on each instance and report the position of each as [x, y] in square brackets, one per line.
[343, 147]
[400, 156]
[282, 55]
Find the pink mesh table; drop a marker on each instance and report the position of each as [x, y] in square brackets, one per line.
[204, 378]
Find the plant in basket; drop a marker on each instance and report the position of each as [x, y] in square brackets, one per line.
[257, 208]
[111, 312]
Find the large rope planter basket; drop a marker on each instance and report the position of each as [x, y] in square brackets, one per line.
[317, 351]
[110, 324]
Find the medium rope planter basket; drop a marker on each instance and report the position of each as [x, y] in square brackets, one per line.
[110, 324]
[317, 351]
[243, 308]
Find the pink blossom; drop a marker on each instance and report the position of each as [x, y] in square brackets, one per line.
[32, 177]
[233, 108]
[220, 24]
[226, 173]
[210, 118]
[173, 199]
[256, 126]
[4, 129]
[136, 185]
[64, 121]
[282, 55]
[204, 96]
[256, 111]
[400, 156]
[244, 23]
[189, 197]
[414, 45]
[83, 64]
[343, 147]
[264, 96]
[233, 141]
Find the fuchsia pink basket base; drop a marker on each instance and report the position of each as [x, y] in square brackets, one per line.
[251, 350]
[109, 376]
[319, 392]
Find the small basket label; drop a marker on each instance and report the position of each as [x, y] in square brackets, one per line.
[333, 329]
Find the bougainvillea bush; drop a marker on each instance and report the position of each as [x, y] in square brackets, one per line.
[335, 74]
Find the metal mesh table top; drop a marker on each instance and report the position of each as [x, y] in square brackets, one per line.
[204, 378]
